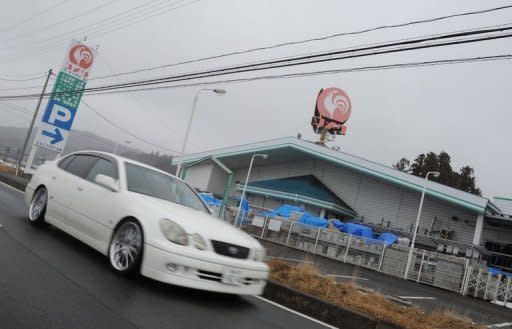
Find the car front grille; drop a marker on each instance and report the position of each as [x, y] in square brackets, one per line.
[230, 250]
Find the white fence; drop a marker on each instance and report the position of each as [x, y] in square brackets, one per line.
[432, 268]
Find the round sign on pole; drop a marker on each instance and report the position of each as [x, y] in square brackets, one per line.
[81, 56]
[334, 104]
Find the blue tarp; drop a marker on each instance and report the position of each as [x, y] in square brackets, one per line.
[358, 230]
[338, 224]
[496, 271]
[388, 238]
[244, 211]
[211, 200]
[285, 210]
[311, 220]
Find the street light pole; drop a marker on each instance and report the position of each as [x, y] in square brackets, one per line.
[217, 91]
[411, 248]
[264, 156]
[31, 127]
[116, 148]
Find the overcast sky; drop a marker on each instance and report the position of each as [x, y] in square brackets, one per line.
[462, 109]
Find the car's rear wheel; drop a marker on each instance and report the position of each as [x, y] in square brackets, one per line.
[125, 251]
[37, 208]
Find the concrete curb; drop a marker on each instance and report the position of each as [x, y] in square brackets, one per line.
[324, 311]
[15, 181]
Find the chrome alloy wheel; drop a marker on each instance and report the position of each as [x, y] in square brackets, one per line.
[38, 205]
[126, 246]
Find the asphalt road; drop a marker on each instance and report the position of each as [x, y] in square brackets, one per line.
[50, 280]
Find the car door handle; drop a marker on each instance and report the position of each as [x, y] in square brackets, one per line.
[54, 177]
[79, 189]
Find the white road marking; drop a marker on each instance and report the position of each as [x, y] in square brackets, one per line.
[416, 297]
[347, 277]
[296, 313]
[500, 325]
[12, 188]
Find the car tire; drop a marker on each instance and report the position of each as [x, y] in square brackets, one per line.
[126, 246]
[37, 207]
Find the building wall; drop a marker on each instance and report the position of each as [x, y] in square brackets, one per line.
[218, 180]
[374, 200]
[500, 234]
[199, 176]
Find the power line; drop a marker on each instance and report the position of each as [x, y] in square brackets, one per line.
[321, 72]
[38, 77]
[81, 15]
[5, 29]
[12, 108]
[322, 38]
[415, 44]
[126, 131]
[101, 29]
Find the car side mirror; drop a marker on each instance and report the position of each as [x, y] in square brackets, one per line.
[107, 182]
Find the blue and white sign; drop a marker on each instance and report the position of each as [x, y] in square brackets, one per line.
[55, 125]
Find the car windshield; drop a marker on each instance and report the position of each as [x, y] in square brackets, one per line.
[153, 183]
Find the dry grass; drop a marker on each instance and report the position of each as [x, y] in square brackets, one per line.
[306, 278]
[5, 169]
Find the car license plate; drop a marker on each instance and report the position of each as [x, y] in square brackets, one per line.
[232, 277]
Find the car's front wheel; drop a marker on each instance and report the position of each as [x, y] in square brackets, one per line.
[37, 208]
[125, 251]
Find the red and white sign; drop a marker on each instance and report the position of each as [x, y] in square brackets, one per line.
[79, 60]
[334, 104]
[332, 110]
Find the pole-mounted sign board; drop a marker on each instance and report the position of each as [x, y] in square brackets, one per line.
[62, 107]
[332, 110]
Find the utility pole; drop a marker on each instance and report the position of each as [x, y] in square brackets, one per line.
[20, 157]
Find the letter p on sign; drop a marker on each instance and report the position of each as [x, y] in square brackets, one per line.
[59, 116]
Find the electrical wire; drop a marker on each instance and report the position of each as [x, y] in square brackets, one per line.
[67, 19]
[320, 58]
[91, 30]
[383, 27]
[18, 23]
[322, 38]
[21, 111]
[493, 58]
[127, 131]
[23, 79]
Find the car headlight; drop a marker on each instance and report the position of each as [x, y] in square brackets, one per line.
[259, 255]
[173, 232]
[199, 241]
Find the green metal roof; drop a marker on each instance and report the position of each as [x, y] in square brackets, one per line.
[289, 145]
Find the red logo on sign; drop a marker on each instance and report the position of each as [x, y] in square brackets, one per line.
[334, 104]
[81, 56]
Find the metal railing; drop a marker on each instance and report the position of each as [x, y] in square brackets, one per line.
[432, 268]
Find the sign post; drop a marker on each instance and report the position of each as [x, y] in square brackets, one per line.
[62, 106]
[32, 152]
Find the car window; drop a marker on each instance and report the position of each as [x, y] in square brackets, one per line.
[64, 162]
[81, 164]
[153, 183]
[103, 167]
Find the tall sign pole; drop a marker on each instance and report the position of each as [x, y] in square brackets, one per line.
[20, 158]
[62, 107]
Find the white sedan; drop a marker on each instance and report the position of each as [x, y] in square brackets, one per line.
[145, 220]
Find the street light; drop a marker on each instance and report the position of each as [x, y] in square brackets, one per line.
[217, 91]
[264, 156]
[411, 249]
[118, 144]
